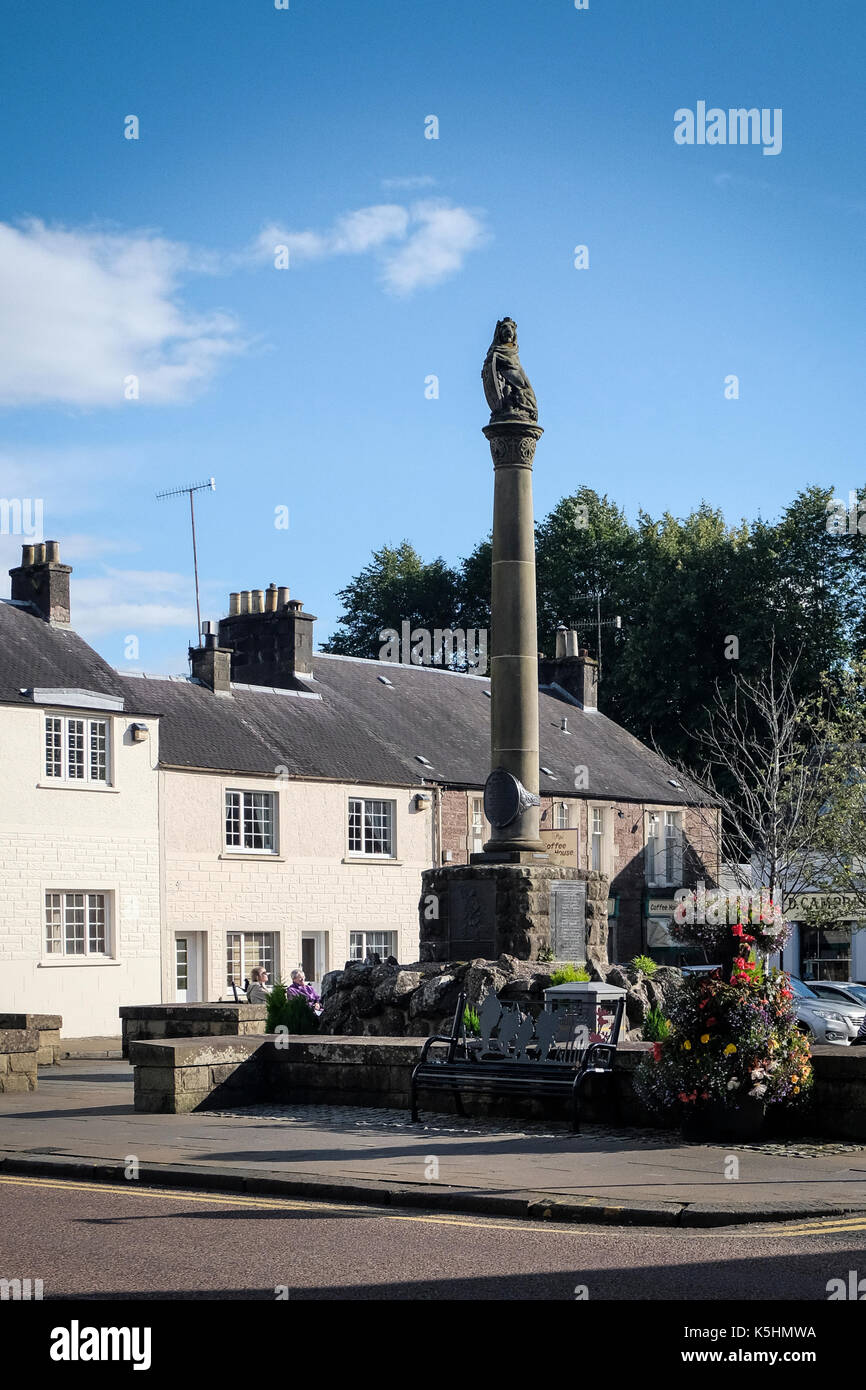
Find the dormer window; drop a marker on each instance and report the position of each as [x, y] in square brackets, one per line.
[76, 750]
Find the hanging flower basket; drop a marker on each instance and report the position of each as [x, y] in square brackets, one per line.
[734, 1057]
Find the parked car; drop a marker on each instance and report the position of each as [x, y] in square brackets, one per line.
[826, 1019]
[849, 990]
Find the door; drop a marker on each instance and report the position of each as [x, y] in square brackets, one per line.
[188, 962]
[314, 955]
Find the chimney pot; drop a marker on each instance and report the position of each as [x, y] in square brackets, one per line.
[258, 603]
[42, 581]
[282, 596]
[245, 601]
[271, 599]
[234, 605]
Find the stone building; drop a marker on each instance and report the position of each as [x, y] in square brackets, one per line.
[79, 816]
[159, 836]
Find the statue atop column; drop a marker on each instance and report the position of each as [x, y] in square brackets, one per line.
[506, 384]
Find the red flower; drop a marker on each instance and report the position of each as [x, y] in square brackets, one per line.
[711, 1021]
[737, 929]
[657, 1051]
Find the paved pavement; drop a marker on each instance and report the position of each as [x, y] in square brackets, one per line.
[100, 1241]
[81, 1123]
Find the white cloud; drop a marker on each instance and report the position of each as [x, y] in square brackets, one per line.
[83, 309]
[418, 181]
[132, 601]
[441, 239]
[416, 246]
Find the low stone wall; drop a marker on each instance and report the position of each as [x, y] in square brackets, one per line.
[49, 1051]
[177, 1076]
[143, 1021]
[19, 1050]
[181, 1075]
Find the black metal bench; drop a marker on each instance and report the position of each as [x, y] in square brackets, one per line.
[552, 1055]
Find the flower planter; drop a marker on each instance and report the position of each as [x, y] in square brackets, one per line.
[717, 1121]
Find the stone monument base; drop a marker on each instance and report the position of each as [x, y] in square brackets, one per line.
[487, 909]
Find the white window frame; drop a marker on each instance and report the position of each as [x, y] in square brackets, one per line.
[477, 830]
[58, 740]
[272, 967]
[246, 821]
[673, 848]
[561, 815]
[652, 852]
[363, 853]
[359, 950]
[60, 909]
[603, 812]
[663, 845]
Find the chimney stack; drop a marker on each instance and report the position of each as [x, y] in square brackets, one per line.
[572, 669]
[211, 665]
[270, 637]
[42, 581]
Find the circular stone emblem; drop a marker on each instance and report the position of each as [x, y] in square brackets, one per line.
[505, 797]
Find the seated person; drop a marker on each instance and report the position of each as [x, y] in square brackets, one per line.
[259, 988]
[300, 988]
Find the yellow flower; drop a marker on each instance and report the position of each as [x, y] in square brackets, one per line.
[795, 1078]
[705, 1037]
[730, 1049]
[687, 1047]
[796, 1090]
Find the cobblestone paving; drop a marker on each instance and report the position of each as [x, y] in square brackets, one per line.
[367, 1119]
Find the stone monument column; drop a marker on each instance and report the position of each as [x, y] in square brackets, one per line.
[512, 433]
[510, 900]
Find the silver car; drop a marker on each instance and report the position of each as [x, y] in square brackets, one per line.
[829, 1016]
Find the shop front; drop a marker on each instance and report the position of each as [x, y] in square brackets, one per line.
[826, 940]
[658, 918]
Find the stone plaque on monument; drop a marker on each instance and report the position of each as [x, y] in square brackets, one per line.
[568, 920]
[472, 919]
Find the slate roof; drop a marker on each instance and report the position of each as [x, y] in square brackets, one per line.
[33, 653]
[354, 729]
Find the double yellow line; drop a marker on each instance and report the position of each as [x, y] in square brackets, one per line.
[764, 1231]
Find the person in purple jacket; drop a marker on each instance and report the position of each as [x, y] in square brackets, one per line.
[305, 991]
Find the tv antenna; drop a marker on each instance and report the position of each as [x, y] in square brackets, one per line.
[191, 489]
[582, 624]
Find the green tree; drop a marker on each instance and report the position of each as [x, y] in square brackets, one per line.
[397, 586]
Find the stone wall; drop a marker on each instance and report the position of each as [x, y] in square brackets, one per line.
[509, 913]
[19, 1048]
[376, 999]
[185, 1074]
[143, 1021]
[48, 1026]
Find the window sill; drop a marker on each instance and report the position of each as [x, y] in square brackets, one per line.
[260, 856]
[371, 859]
[64, 786]
[53, 962]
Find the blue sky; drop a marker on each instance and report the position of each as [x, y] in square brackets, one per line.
[305, 387]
